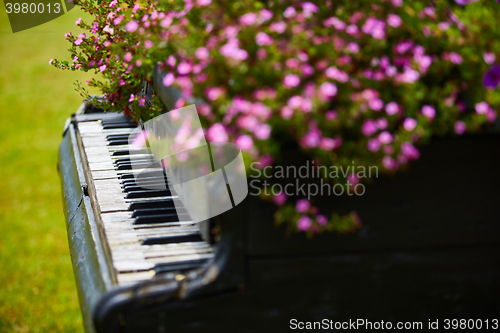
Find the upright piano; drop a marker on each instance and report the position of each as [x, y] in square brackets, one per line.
[428, 249]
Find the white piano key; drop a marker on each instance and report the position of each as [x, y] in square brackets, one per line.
[148, 264]
[134, 277]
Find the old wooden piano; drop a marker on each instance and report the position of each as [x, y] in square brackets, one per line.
[429, 247]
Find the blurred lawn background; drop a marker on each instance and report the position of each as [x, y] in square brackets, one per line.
[37, 288]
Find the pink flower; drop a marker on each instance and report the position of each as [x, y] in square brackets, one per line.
[443, 26]
[429, 111]
[308, 8]
[117, 20]
[376, 104]
[321, 219]
[148, 44]
[410, 75]
[109, 30]
[352, 29]
[335, 22]
[292, 63]
[262, 132]
[286, 112]
[278, 27]
[393, 20]
[369, 127]
[171, 61]
[131, 99]
[168, 80]
[410, 151]
[248, 19]
[328, 89]
[374, 27]
[50, 62]
[291, 80]
[302, 206]
[489, 57]
[460, 127]
[131, 26]
[263, 39]
[102, 68]
[482, 108]
[260, 110]
[385, 137]
[336, 74]
[204, 109]
[409, 124]
[202, 53]
[389, 163]
[217, 133]
[77, 22]
[311, 139]
[391, 108]
[373, 145]
[165, 23]
[455, 58]
[353, 47]
[328, 143]
[203, 2]
[307, 69]
[245, 142]
[304, 223]
[128, 57]
[214, 93]
[352, 179]
[381, 123]
[184, 68]
[280, 199]
[289, 12]
[331, 114]
[295, 102]
[113, 3]
[261, 53]
[265, 15]
[141, 101]
[78, 41]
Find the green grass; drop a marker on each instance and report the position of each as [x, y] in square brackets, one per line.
[37, 288]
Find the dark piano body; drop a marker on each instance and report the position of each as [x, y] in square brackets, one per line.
[429, 249]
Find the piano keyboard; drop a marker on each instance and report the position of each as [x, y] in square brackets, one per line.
[144, 233]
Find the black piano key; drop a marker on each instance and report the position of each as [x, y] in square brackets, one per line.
[151, 204]
[120, 153]
[138, 165]
[127, 159]
[157, 211]
[145, 180]
[181, 266]
[128, 152]
[172, 239]
[116, 121]
[148, 194]
[118, 142]
[118, 136]
[151, 219]
[118, 125]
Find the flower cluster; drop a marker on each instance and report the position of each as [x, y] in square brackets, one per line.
[364, 83]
